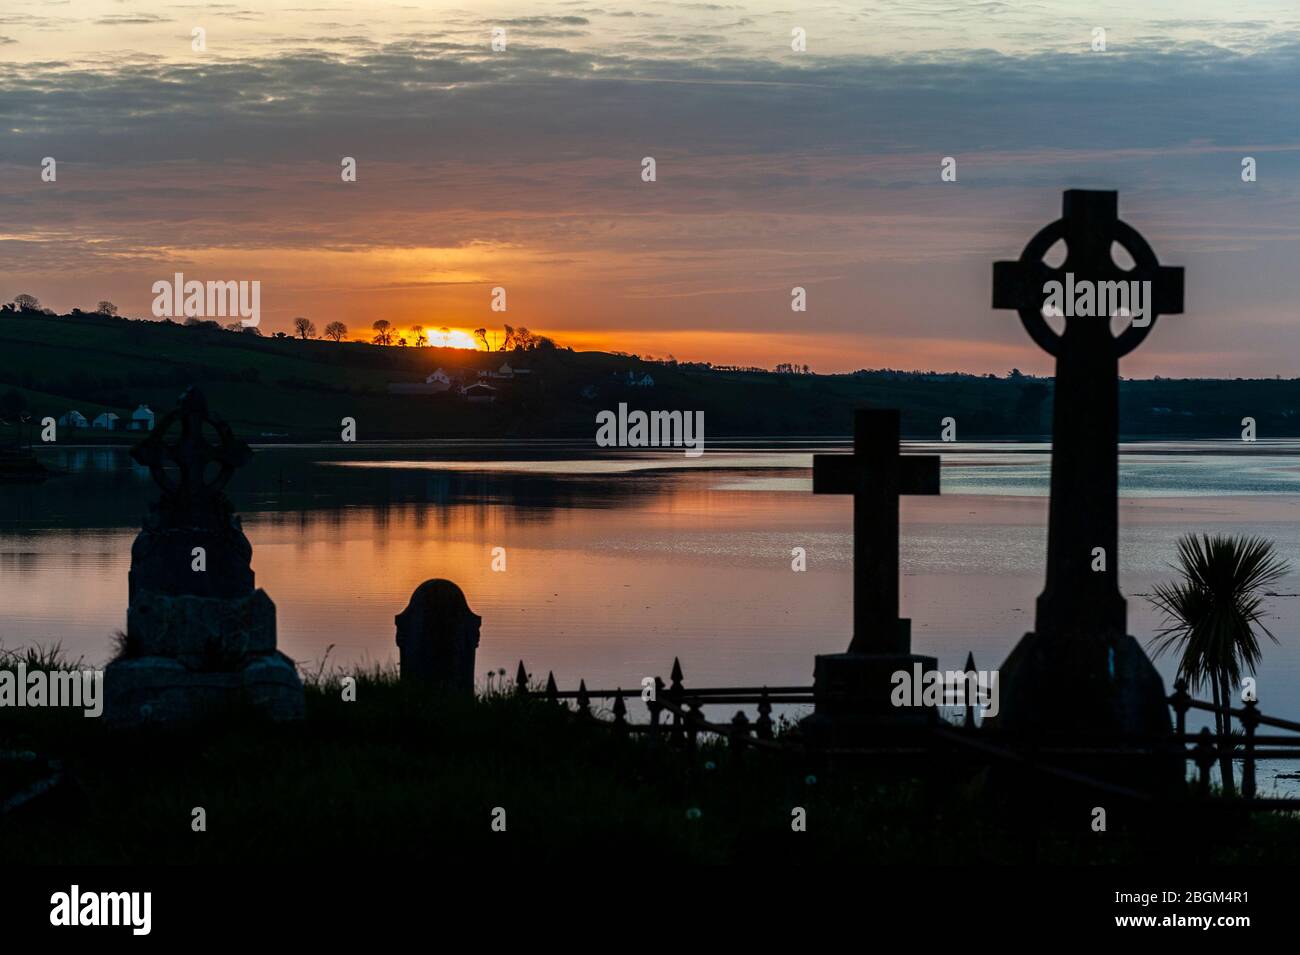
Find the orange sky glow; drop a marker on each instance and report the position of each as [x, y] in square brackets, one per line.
[522, 169]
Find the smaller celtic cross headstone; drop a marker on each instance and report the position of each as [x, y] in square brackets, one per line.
[190, 494]
[200, 638]
[192, 510]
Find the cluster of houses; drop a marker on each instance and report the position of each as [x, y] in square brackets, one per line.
[484, 387]
[141, 419]
[476, 390]
[628, 379]
[633, 380]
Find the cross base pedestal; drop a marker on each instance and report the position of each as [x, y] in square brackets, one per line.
[1100, 690]
[852, 694]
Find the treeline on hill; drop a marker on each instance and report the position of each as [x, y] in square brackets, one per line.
[287, 388]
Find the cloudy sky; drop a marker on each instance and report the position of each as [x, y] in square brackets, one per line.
[775, 168]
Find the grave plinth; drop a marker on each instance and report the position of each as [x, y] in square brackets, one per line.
[852, 690]
[200, 638]
[1079, 674]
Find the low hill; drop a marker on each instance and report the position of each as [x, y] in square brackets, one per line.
[291, 389]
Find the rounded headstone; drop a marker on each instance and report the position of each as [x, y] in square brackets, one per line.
[437, 636]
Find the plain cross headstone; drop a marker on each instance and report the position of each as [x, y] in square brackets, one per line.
[853, 690]
[876, 474]
[1083, 513]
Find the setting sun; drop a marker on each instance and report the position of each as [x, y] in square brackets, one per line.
[451, 338]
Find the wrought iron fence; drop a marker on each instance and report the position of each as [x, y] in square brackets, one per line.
[676, 715]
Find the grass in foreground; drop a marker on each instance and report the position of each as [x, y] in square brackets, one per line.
[401, 774]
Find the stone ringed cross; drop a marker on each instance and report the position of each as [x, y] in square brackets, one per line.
[1080, 599]
[191, 453]
[876, 474]
[192, 512]
[1089, 224]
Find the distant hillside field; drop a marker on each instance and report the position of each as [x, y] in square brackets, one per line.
[301, 390]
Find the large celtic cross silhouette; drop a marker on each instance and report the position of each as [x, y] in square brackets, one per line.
[1082, 596]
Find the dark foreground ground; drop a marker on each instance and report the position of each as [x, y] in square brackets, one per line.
[401, 775]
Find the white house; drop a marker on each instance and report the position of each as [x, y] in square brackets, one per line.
[106, 421]
[436, 384]
[645, 381]
[504, 372]
[142, 419]
[73, 419]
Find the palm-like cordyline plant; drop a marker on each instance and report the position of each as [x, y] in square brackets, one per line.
[1214, 611]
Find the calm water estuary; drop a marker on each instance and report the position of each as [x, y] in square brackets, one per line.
[619, 562]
